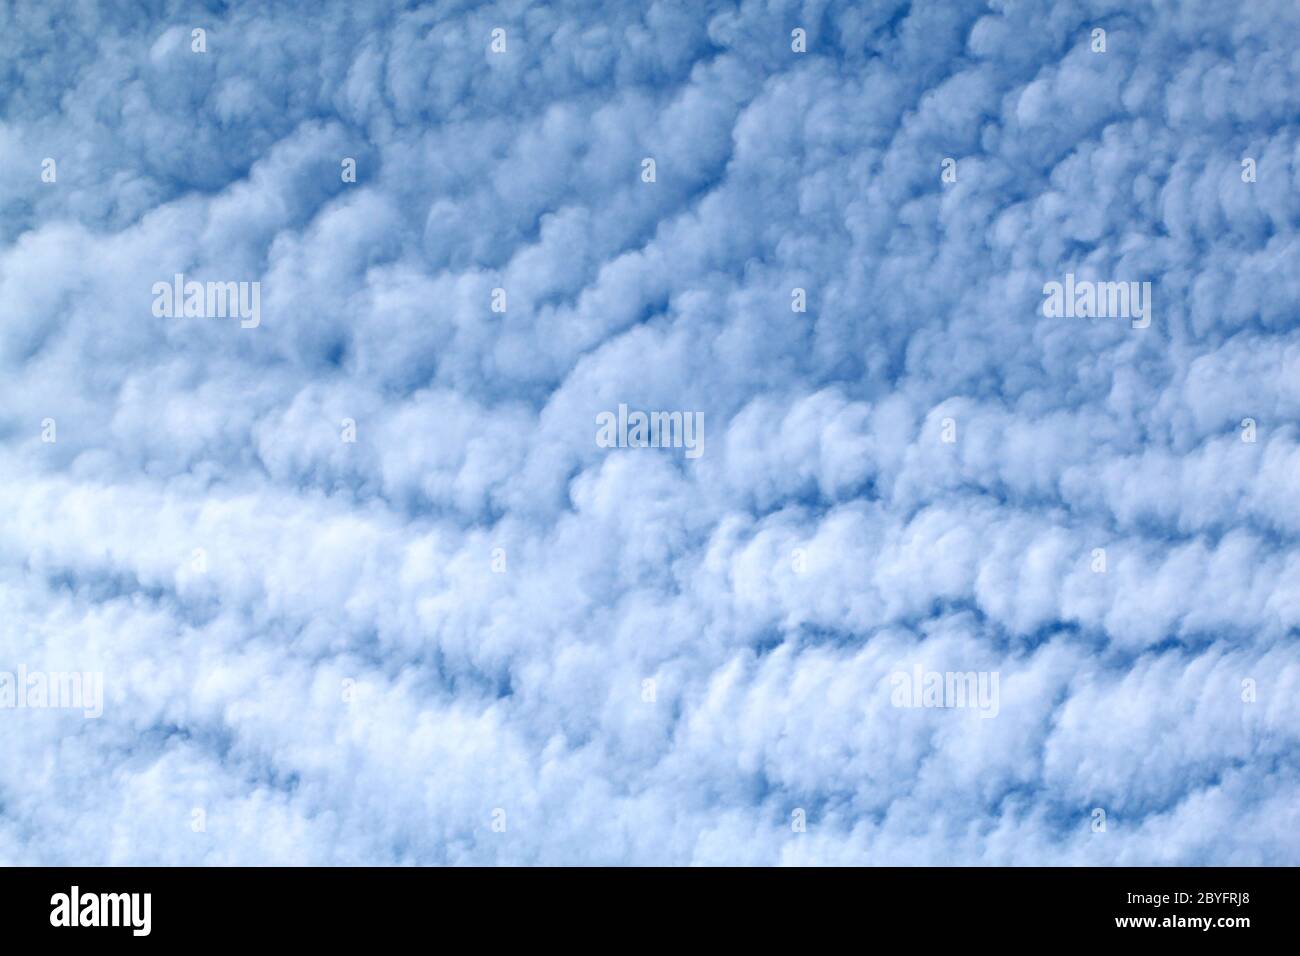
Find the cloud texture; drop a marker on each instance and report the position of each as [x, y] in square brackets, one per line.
[388, 641]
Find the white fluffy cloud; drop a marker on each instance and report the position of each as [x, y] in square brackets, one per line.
[384, 642]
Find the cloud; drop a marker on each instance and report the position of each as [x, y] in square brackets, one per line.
[359, 651]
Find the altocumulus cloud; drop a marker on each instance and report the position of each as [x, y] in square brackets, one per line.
[364, 588]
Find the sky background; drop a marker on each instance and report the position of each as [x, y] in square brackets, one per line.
[347, 678]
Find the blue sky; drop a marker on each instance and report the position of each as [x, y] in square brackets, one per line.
[474, 634]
